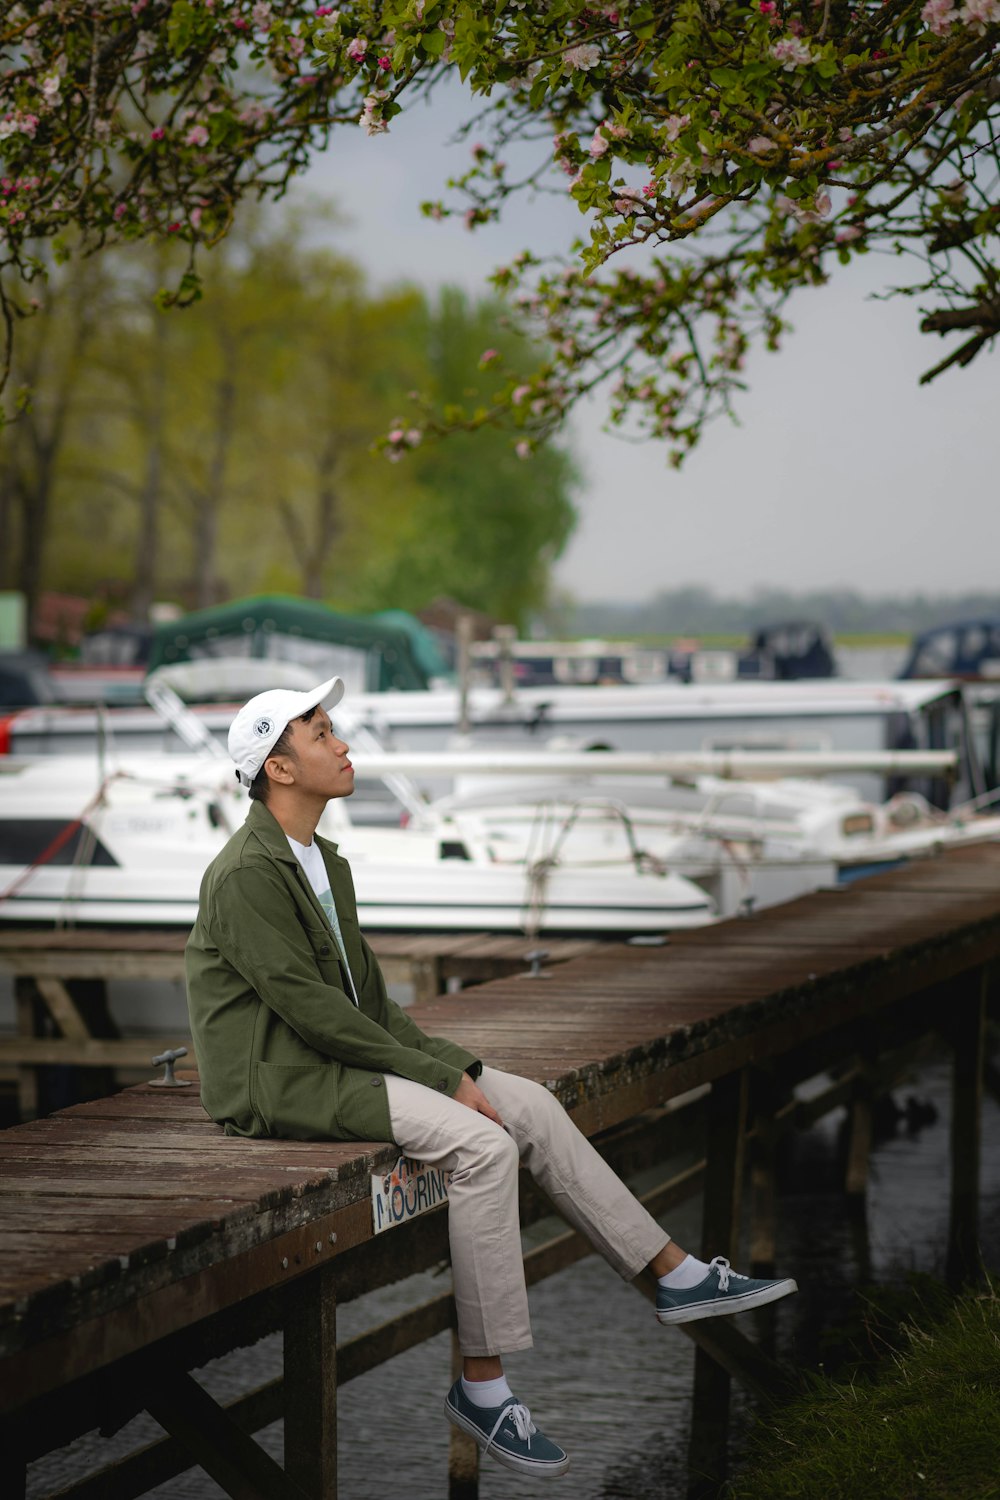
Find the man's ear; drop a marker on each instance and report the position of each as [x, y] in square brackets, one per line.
[278, 768]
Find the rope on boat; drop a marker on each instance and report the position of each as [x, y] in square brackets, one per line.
[61, 839]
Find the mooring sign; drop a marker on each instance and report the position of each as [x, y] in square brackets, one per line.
[410, 1188]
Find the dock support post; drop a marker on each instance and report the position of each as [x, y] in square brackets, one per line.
[463, 1455]
[310, 1384]
[967, 1034]
[859, 1141]
[727, 1109]
[13, 1468]
[766, 1097]
[28, 1025]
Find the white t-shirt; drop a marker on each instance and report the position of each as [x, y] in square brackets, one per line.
[314, 869]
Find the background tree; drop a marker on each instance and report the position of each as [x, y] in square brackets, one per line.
[742, 148]
[227, 449]
[51, 364]
[484, 523]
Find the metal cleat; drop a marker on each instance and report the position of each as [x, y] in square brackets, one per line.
[536, 957]
[169, 1081]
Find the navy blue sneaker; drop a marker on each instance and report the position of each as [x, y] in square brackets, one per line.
[506, 1433]
[723, 1291]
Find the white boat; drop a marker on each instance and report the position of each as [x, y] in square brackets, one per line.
[128, 845]
[750, 844]
[131, 849]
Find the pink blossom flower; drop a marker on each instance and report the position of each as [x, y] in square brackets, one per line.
[848, 233]
[173, 228]
[585, 56]
[120, 210]
[673, 125]
[519, 394]
[196, 136]
[487, 357]
[649, 191]
[157, 133]
[791, 53]
[980, 14]
[261, 14]
[413, 436]
[385, 63]
[760, 145]
[940, 16]
[598, 145]
[396, 435]
[18, 123]
[371, 120]
[357, 48]
[523, 448]
[195, 218]
[324, 10]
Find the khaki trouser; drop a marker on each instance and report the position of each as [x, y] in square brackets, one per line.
[484, 1229]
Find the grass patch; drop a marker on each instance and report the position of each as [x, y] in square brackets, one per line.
[924, 1426]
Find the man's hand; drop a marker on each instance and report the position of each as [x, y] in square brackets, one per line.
[471, 1094]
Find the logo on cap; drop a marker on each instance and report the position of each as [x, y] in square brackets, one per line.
[263, 727]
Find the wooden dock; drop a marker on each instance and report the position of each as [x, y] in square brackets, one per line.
[64, 1020]
[140, 1242]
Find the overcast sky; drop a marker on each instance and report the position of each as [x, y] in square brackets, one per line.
[843, 472]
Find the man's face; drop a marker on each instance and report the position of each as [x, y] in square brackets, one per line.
[320, 764]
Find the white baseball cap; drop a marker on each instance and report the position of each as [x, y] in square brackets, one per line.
[260, 723]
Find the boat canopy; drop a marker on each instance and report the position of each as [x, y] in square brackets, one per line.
[372, 653]
[965, 648]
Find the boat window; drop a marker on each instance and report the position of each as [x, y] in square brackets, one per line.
[937, 656]
[25, 840]
[454, 849]
[645, 666]
[578, 670]
[974, 645]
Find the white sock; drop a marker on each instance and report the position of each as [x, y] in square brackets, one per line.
[688, 1273]
[487, 1392]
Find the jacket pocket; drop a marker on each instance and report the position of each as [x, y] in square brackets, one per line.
[297, 1101]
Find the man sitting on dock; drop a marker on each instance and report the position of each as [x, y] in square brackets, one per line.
[296, 1037]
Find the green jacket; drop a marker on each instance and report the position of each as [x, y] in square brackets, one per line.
[282, 1049]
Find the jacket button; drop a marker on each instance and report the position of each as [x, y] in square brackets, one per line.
[376, 1083]
[324, 952]
[442, 1087]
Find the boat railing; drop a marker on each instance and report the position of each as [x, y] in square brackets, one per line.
[181, 718]
[641, 859]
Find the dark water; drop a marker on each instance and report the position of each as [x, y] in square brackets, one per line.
[605, 1379]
